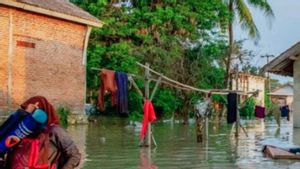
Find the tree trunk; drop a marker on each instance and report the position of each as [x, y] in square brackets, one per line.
[230, 45]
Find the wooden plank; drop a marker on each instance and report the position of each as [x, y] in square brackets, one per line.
[278, 153]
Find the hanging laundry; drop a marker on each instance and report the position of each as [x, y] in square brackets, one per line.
[260, 112]
[285, 111]
[149, 116]
[231, 108]
[108, 84]
[122, 93]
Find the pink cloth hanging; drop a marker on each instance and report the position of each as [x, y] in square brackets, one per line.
[260, 112]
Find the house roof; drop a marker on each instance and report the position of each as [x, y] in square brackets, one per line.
[285, 90]
[283, 64]
[62, 9]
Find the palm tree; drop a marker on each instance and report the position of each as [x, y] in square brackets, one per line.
[240, 10]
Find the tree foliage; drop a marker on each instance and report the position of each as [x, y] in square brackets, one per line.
[183, 39]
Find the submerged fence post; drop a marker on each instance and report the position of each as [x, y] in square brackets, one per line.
[199, 126]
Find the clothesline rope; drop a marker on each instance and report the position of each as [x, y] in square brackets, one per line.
[168, 81]
[212, 91]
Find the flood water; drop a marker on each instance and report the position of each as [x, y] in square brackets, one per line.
[111, 143]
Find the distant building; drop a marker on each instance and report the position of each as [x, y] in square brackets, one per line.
[288, 64]
[250, 83]
[43, 52]
[284, 94]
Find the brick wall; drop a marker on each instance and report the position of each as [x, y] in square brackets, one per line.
[47, 60]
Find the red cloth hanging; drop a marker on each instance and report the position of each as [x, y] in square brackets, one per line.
[108, 84]
[149, 116]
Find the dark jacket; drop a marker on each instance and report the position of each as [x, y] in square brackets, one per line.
[61, 150]
[63, 147]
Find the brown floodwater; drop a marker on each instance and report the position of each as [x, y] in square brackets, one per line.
[111, 143]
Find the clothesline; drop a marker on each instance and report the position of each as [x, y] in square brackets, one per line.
[168, 81]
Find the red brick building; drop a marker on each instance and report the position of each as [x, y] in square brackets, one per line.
[43, 51]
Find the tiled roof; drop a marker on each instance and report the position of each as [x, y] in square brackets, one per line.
[61, 6]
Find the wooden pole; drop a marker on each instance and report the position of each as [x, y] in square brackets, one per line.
[135, 86]
[206, 127]
[187, 87]
[199, 128]
[207, 97]
[147, 93]
[155, 88]
[171, 80]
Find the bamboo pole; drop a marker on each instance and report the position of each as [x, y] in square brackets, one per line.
[212, 91]
[136, 86]
[155, 88]
[171, 80]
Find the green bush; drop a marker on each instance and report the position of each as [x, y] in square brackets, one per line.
[135, 116]
[63, 113]
[166, 100]
[248, 109]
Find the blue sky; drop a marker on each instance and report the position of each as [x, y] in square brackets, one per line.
[282, 33]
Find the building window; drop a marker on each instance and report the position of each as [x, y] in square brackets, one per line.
[25, 44]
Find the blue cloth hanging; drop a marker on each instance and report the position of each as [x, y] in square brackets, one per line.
[122, 93]
[285, 111]
[231, 107]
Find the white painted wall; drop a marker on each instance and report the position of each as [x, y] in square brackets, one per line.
[254, 83]
[296, 102]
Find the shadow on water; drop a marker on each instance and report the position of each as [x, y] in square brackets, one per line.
[112, 143]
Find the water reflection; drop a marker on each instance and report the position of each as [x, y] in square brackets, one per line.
[145, 159]
[113, 144]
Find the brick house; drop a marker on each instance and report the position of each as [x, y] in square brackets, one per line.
[43, 52]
